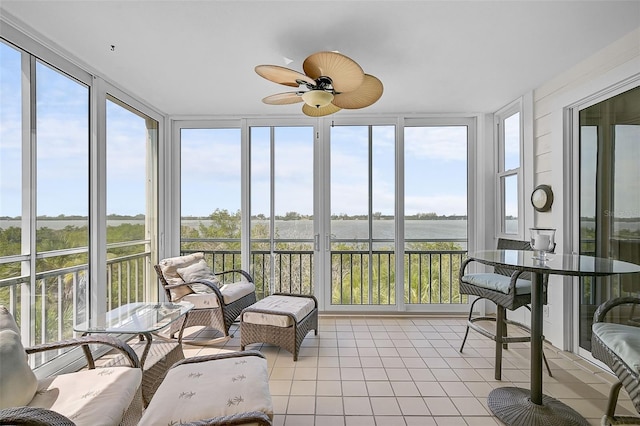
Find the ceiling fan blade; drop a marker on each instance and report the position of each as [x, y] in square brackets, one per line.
[368, 93]
[283, 98]
[345, 73]
[282, 75]
[319, 112]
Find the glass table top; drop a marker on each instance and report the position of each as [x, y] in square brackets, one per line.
[136, 318]
[556, 263]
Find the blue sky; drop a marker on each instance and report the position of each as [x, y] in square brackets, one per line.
[211, 170]
[435, 160]
[62, 161]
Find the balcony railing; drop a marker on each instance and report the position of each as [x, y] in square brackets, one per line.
[292, 269]
[358, 277]
[59, 298]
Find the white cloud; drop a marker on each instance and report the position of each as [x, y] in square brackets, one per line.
[443, 143]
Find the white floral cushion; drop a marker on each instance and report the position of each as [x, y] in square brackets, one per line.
[234, 291]
[214, 388]
[18, 384]
[299, 307]
[230, 293]
[202, 300]
[90, 397]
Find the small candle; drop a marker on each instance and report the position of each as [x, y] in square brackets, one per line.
[541, 242]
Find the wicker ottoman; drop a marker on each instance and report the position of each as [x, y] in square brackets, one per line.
[222, 389]
[281, 319]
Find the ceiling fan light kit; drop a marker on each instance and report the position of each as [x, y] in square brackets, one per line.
[332, 82]
[317, 98]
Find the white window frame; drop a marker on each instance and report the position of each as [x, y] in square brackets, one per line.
[500, 117]
[33, 50]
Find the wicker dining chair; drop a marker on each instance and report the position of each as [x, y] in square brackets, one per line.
[618, 346]
[216, 305]
[508, 289]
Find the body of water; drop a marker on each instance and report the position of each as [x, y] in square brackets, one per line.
[341, 229]
[289, 229]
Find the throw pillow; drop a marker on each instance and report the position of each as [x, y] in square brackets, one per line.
[169, 269]
[196, 272]
[18, 384]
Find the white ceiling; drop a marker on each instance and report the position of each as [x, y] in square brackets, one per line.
[198, 57]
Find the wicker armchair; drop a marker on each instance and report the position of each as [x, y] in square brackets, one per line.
[87, 397]
[188, 278]
[618, 346]
[508, 289]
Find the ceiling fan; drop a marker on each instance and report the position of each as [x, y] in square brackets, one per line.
[332, 82]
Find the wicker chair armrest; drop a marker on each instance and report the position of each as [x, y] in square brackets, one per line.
[514, 280]
[204, 358]
[516, 275]
[252, 417]
[32, 416]
[602, 310]
[244, 274]
[85, 341]
[464, 266]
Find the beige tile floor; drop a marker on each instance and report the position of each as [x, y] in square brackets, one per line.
[407, 371]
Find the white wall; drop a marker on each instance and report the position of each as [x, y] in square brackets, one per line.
[618, 62]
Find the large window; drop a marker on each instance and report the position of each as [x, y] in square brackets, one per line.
[363, 215]
[322, 212]
[62, 203]
[282, 209]
[131, 144]
[509, 137]
[211, 193]
[45, 199]
[11, 156]
[55, 170]
[435, 205]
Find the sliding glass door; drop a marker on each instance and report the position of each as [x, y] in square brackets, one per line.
[211, 193]
[435, 206]
[282, 209]
[366, 217]
[609, 146]
[362, 230]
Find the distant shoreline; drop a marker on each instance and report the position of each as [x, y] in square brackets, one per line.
[420, 216]
[340, 228]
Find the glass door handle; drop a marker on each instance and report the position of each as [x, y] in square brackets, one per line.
[316, 242]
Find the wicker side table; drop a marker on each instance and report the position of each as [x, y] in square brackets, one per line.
[288, 337]
[145, 320]
[161, 356]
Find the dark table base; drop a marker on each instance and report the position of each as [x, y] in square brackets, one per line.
[514, 407]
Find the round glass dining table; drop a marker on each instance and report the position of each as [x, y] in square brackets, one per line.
[518, 406]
